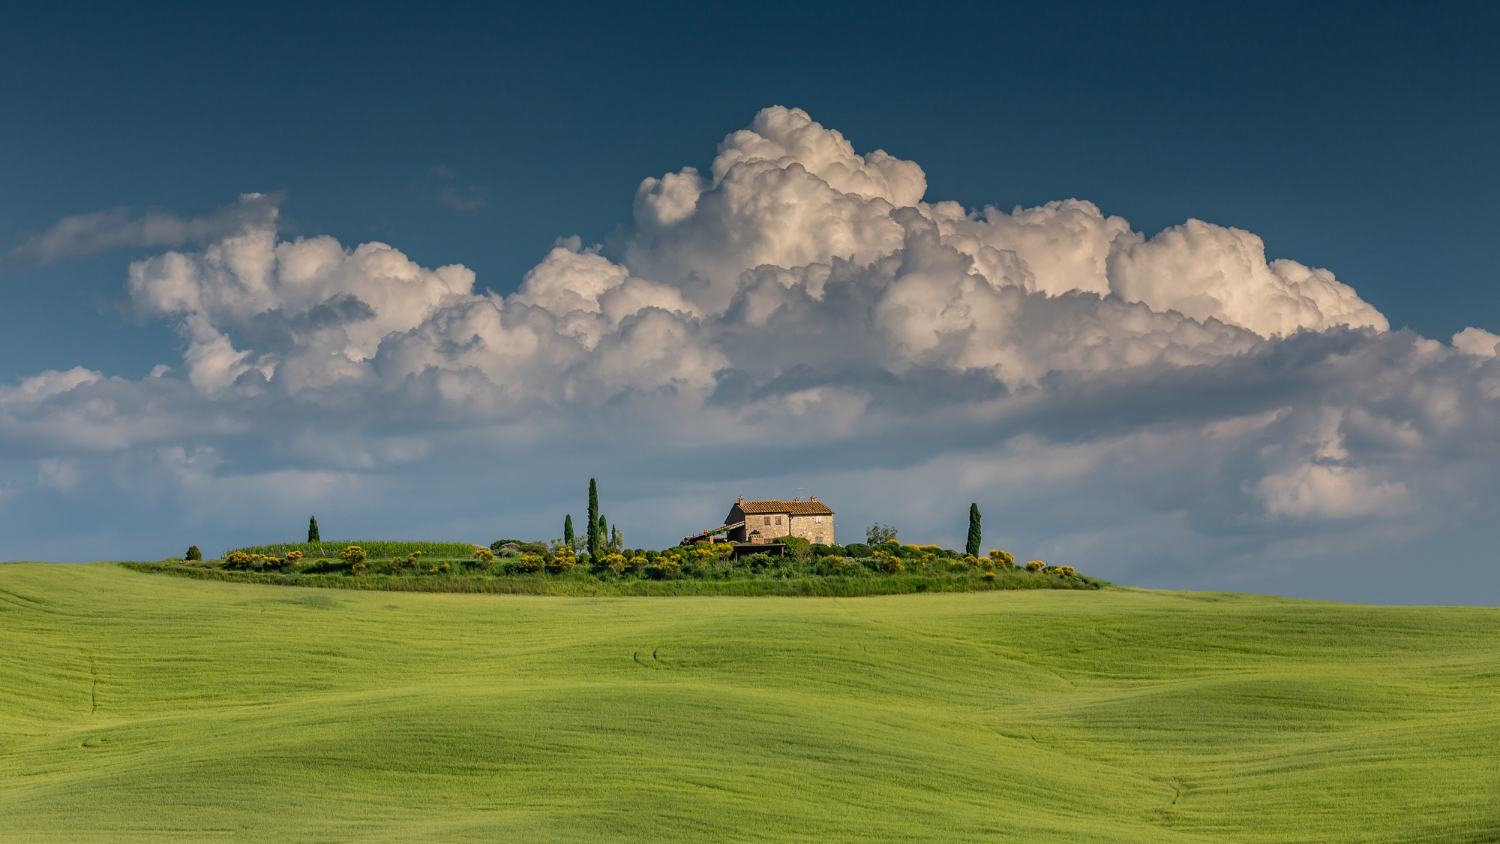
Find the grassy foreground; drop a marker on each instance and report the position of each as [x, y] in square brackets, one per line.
[135, 707]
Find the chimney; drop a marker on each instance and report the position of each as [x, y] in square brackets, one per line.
[798, 498]
[742, 499]
[812, 498]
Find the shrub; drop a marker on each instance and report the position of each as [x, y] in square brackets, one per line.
[294, 556]
[353, 555]
[989, 577]
[528, 564]
[357, 567]
[1066, 570]
[237, 560]
[664, 569]
[1035, 565]
[612, 562]
[193, 553]
[1002, 559]
[857, 549]
[796, 546]
[483, 556]
[757, 560]
[561, 563]
[886, 562]
[832, 564]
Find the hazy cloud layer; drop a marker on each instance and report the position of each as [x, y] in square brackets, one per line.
[797, 316]
[96, 232]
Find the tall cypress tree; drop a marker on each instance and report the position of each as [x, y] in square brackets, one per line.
[312, 530]
[972, 546]
[568, 531]
[603, 534]
[593, 525]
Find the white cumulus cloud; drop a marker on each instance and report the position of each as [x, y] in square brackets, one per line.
[797, 314]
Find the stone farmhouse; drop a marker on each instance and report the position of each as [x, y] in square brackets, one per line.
[760, 522]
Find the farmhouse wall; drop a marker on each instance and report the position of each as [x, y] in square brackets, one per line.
[817, 529]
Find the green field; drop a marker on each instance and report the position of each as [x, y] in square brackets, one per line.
[141, 707]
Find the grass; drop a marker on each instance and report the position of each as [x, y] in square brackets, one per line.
[138, 708]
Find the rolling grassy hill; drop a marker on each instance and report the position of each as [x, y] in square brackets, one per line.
[137, 707]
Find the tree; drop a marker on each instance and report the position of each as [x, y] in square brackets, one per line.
[193, 553]
[879, 534]
[568, 531]
[616, 539]
[603, 534]
[972, 546]
[312, 530]
[593, 517]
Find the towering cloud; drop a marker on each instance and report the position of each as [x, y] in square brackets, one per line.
[804, 310]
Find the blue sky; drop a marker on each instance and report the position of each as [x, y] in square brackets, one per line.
[1357, 138]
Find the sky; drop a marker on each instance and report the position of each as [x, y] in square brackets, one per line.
[1184, 297]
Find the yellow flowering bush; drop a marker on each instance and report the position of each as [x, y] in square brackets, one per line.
[358, 568]
[531, 563]
[353, 555]
[561, 563]
[989, 577]
[1002, 559]
[483, 556]
[237, 560]
[665, 568]
[1035, 565]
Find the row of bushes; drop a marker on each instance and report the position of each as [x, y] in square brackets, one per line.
[704, 560]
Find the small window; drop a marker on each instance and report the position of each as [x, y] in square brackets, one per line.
[768, 520]
[817, 520]
[778, 520]
[820, 539]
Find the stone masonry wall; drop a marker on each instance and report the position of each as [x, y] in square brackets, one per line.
[809, 528]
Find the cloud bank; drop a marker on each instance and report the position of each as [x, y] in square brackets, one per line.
[797, 316]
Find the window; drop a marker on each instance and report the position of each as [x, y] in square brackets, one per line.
[778, 520]
[820, 539]
[768, 520]
[817, 520]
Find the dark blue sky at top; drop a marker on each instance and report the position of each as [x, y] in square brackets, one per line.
[1361, 138]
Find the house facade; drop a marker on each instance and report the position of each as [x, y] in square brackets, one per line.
[758, 522]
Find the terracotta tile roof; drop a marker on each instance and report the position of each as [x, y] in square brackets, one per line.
[795, 508]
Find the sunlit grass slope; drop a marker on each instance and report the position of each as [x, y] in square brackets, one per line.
[138, 707]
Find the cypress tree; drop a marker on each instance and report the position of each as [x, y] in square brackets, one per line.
[603, 534]
[972, 546]
[568, 531]
[593, 524]
[312, 530]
